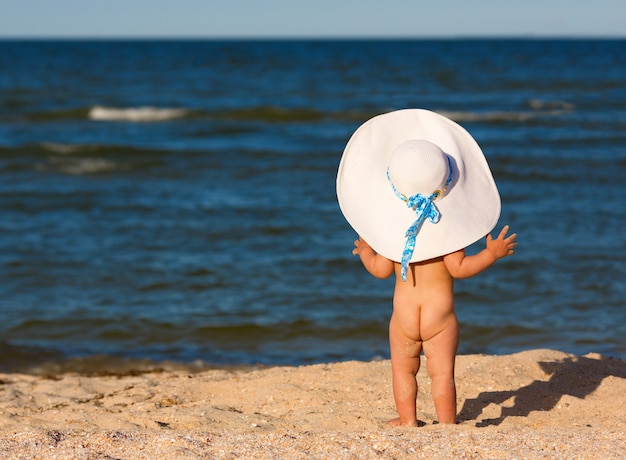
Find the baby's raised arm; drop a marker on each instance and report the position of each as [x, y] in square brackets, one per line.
[374, 263]
[461, 266]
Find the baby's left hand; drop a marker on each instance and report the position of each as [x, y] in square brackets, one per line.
[502, 246]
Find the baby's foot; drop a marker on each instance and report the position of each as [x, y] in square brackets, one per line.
[398, 422]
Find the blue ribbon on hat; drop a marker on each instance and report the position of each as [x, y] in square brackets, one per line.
[424, 209]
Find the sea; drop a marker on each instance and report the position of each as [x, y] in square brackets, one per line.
[173, 203]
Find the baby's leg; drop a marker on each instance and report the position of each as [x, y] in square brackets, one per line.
[405, 363]
[440, 352]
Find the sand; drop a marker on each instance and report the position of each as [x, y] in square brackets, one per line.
[534, 404]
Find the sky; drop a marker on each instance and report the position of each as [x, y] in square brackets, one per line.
[311, 18]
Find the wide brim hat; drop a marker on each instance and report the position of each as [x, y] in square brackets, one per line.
[468, 209]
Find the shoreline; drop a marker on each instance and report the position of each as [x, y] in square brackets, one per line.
[532, 404]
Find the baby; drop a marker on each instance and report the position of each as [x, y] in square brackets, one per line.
[424, 319]
[417, 189]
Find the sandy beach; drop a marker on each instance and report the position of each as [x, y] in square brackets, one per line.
[533, 404]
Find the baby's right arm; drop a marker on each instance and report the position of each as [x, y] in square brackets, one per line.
[374, 263]
[461, 266]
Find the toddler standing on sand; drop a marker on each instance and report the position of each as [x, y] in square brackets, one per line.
[417, 189]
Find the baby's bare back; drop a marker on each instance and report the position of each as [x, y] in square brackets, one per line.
[424, 303]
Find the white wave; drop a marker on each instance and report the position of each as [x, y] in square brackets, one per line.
[496, 116]
[80, 166]
[63, 149]
[539, 104]
[487, 116]
[138, 114]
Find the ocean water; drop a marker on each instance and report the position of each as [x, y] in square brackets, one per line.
[174, 201]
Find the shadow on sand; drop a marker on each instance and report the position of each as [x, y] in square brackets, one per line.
[575, 376]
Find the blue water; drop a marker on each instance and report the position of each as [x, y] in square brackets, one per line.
[175, 201]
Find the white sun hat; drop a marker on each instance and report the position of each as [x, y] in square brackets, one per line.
[416, 185]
